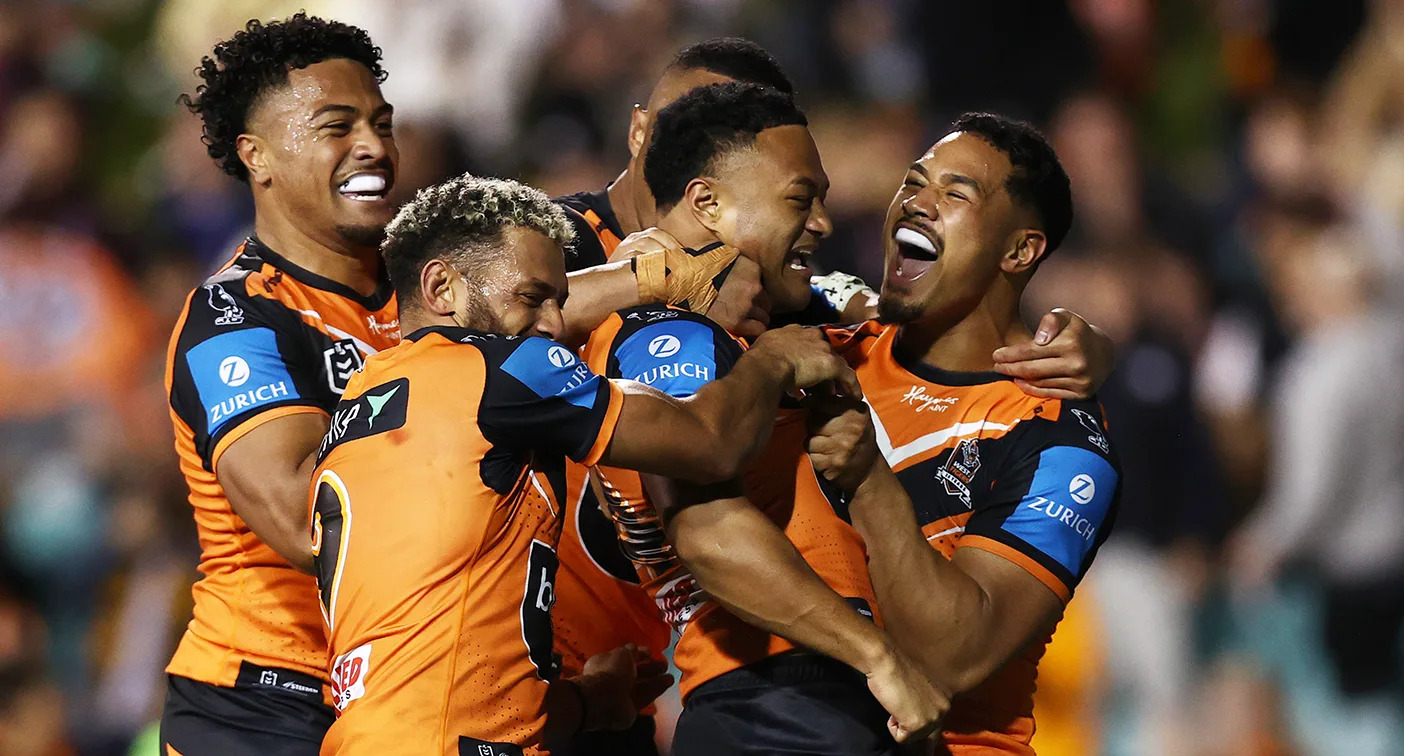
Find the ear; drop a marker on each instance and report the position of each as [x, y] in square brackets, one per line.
[701, 198]
[638, 128]
[436, 290]
[253, 153]
[1029, 247]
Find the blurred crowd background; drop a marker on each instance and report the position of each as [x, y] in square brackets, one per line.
[1238, 171]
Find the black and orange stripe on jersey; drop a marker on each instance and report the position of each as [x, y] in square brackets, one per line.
[436, 510]
[990, 467]
[597, 229]
[260, 339]
[677, 351]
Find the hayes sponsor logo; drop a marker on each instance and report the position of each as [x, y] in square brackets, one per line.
[391, 329]
[916, 396]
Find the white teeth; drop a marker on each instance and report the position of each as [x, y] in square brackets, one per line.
[908, 236]
[364, 183]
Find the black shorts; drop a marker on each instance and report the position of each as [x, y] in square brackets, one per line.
[635, 741]
[793, 703]
[268, 712]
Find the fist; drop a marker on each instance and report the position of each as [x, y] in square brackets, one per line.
[809, 357]
[842, 443]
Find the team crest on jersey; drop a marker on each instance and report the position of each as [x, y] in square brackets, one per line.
[342, 361]
[230, 311]
[960, 469]
[1089, 422]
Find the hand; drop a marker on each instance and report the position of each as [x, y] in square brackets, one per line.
[1069, 358]
[809, 357]
[614, 685]
[916, 706]
[742, 307]
[641, 242]
[841, 444]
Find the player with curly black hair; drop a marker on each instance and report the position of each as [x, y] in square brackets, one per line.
[258, 361]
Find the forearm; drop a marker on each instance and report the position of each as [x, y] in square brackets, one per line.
[761, 578]
[594, 294]
[936, 612]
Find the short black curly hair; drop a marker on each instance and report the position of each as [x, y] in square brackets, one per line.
[257, 59]
[1037, 180]
[706, 124]
[735, 58]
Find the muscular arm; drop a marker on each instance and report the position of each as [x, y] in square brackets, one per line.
[594, 294]
[732, 550]
[708, 436]
[266, 474]
[962, 618]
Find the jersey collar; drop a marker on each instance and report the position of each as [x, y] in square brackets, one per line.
[932, 374]
[377, 300]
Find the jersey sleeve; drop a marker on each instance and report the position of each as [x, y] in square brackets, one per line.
[235, 365]
[540, 396]
[1054, 501]
[674, 351]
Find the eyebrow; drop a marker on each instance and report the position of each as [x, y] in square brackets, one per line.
[385, 108]
[810, 184]
[956, 178]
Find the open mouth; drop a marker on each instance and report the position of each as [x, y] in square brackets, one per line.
[365, 187]
[916, 253]
[798, 259]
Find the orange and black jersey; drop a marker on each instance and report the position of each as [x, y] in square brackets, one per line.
[987, 466]
[435, 512]
[678, 352]
[260, 339]
[597, 229]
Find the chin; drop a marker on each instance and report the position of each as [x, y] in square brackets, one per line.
[368, 235]
[895, 310]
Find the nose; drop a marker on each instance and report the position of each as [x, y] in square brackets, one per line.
[921, 205]
[819, 222]
[371, 145]
[550, 323]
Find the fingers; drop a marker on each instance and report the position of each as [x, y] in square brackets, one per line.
[1048, 393]
[1047, 368]
[1051, 325]
[847, 380]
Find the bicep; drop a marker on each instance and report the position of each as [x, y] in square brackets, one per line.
[1019, 607]
[266, 474]
[658, 434]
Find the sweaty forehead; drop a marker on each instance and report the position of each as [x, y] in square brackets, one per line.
[338, 81]
[677, 82]
[968, 155]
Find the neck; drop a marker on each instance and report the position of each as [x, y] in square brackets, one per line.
[414, 318]
[622, 193]
[967, 343]
[355, 266]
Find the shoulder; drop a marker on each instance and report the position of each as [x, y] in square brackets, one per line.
[673, 350]
[589, 249]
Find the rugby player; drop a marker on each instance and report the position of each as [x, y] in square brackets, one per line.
[260, 356]
[436, 503]
[999, 500]
[601, 604]
[767, 587]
